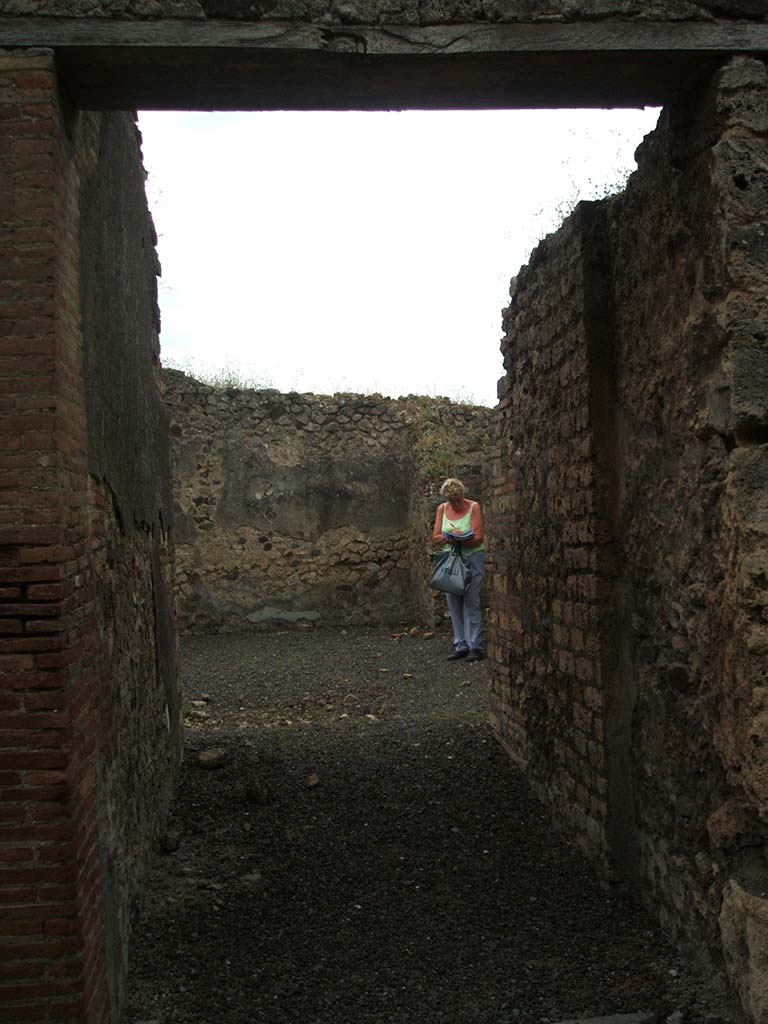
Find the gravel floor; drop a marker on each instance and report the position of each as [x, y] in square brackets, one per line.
[368, 854]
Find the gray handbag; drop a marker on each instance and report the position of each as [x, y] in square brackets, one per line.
[451, 573]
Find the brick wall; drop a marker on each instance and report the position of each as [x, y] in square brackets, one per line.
[628, 527]
[61, 960]
[51, 926]
[547, 558]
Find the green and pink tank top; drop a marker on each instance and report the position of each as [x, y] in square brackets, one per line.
[462, 525]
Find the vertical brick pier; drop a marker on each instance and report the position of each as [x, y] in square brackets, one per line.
[90, 738]
[51, 922]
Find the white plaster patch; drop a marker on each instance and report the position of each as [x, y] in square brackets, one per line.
[270, 614]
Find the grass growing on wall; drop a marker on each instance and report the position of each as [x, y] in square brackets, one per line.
[227, 378]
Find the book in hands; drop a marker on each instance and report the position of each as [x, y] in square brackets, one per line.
[468, 535]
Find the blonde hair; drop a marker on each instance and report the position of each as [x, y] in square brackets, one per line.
[452, 488]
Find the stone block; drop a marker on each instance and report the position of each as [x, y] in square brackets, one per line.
[744, 935]
[735, 825]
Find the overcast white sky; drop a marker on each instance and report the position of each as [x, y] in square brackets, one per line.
[363, 252]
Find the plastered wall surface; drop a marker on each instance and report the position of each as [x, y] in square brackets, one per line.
[628, 527]
[90, 738]
[303, 508]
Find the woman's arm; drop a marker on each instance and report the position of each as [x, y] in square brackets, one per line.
[437, 532]
[477, 523]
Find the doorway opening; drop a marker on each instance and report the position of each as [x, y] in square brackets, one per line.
[349, 842]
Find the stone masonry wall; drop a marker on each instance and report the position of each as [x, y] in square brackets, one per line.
[303, 508]
[628, 526]
[88, 744]
[691, 424]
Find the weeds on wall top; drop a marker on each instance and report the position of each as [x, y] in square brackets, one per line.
[227, 378]
[438, 447]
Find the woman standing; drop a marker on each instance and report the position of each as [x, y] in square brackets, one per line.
[460, 521]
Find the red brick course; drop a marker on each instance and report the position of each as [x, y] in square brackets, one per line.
[50, 915]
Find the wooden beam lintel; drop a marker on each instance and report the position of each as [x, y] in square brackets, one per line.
[614, 36]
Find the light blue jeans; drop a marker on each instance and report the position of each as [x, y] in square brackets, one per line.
[466, 618]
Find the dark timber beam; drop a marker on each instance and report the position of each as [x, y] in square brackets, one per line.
[219, 65]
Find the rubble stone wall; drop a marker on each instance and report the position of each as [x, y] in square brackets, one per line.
[691, 426]
[90, 740]
[304, 508]
[629, 617]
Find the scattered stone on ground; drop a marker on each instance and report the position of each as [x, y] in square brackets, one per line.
[214, 758]
[416, 881]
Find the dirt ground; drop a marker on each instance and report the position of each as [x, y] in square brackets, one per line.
[367, 854]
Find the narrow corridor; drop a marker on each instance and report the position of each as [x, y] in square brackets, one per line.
[367, 853]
